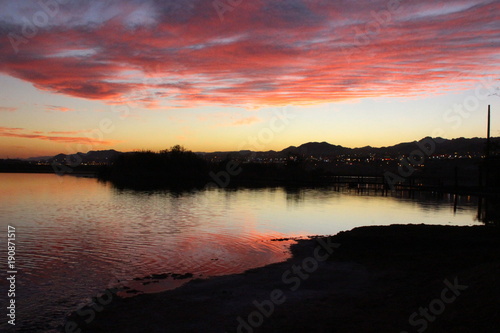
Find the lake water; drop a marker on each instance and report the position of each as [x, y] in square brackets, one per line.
[77, 236]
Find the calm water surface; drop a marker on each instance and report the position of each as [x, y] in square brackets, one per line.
[76, 236]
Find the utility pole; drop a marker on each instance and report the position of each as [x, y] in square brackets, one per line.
[488, 147]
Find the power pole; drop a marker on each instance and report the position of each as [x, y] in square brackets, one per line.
[488, 147]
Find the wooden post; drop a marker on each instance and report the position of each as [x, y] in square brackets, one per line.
[455, 204]
[480, 209]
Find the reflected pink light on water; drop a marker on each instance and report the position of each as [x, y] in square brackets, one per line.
[76, 236]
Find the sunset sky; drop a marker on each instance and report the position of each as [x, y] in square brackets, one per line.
[243, 74]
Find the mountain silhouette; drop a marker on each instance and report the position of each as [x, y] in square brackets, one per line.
[459, 146]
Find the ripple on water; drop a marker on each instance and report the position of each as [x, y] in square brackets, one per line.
[77, 237]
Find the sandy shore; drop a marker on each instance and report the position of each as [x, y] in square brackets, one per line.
[412, 278]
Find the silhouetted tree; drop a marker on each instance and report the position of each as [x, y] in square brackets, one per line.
[174, 167]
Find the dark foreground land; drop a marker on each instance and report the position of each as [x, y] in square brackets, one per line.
[411, 278]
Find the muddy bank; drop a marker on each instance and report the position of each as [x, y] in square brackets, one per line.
[380, 279]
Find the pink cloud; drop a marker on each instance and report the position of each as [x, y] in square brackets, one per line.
[69, 132]
[10, 129]
[58, 108]
[247, 121]
[21, 133]
[264, 52]
[7, 109]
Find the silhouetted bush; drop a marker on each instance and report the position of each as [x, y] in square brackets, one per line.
[176, 167]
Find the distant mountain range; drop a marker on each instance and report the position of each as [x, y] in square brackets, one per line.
[460, 146]
[100, 156]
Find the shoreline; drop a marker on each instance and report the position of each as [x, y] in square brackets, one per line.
[374, 282]
[236, 183]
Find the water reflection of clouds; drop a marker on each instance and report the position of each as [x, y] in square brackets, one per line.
[81, 234]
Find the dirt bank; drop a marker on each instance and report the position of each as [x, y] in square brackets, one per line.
[380, 279]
